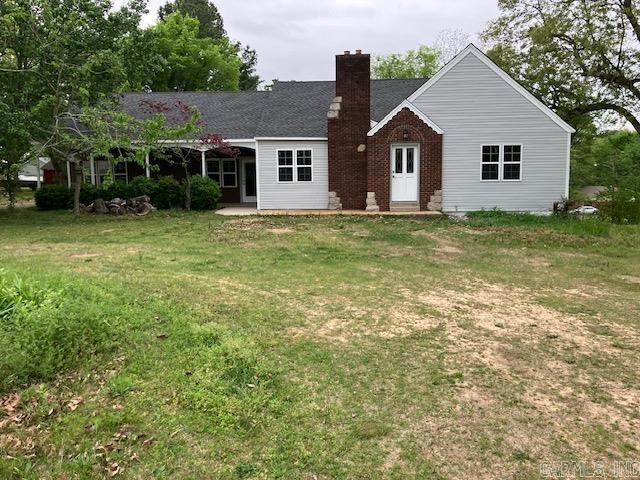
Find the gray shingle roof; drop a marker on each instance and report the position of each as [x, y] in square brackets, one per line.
[291, 109]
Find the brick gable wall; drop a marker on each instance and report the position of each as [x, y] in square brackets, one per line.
[379, 157]
[348, 130]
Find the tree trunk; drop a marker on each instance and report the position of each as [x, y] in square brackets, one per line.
[77, 185]
[13, 183]
[187, 188]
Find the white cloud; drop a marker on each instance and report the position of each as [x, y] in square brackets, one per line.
[297, 39]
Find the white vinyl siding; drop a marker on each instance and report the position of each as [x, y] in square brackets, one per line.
[475, 107]
[274, 194]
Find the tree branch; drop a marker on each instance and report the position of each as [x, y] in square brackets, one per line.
[601, 106]
[627, 9]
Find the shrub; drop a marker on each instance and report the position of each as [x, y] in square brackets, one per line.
[88, 193]
[44, 331]
[142, 186]
[54, 197]
[168, 194]
[110, 190]
[623, 207]
[205, 193]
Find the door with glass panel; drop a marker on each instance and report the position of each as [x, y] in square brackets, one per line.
[404, 173]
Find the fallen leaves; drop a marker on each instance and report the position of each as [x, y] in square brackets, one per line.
[74, 403]
[10, 402]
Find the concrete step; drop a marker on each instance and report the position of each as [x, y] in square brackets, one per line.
[404, 207]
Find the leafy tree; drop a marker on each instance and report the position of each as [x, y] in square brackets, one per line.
[249, 79]
[579, 57]
[193, 62]
[423, 62]
[211, 23]
[175, 132]
[212, 26]
[55, 54]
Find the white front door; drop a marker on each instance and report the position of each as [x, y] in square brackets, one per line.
[248, 166]
[404, 173]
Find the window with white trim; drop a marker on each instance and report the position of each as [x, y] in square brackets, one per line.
[303, 162]
[295, 165]
[224, 171]
[285, 165]
[490, 162]
[501, 162]
[120, 172]
[512, 162]
[229, 172]
[213, 170]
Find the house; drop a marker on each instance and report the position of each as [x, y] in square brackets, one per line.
[468, 138]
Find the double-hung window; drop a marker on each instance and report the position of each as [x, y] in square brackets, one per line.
[511, 162]
[301, 171]
[223, 171]
[490, 162]
[120, 172]
[501, 162]
[285, 165]
[304, 165]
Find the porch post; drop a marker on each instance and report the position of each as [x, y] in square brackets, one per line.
[204, 163]
[147, 168]
[68, 174]
[38, 174]
[92, 167]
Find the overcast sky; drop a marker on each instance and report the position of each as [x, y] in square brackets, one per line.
[297, 39]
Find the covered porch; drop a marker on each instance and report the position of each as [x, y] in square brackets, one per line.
[236, 176]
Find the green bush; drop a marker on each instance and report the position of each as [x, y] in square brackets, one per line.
[88, 193]
[110, 190]
[44, 332]
[143, 186]
[54, 197]
[623, 208]
[168, 194]
[205, 193]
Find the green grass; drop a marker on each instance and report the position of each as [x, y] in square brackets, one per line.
[189, 345]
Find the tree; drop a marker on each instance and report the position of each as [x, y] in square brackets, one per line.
[211, 23]
[212, 26]
[174, 132]
[249, 79]
[192, 62]
[420, 63]
[55, 55]
[449, 43]
[579, 57]
[102, 131]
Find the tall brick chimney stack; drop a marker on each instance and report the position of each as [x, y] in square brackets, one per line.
[349, 120]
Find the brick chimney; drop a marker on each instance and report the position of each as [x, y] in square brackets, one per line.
[349, 120]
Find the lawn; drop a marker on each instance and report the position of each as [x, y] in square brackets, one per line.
[320, 348]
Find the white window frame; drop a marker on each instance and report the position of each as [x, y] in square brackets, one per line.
[294, 166]
[501, 161]
[126, 171]
[221, 171]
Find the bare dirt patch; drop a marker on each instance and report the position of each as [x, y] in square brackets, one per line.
[630, 279]
[446, 249]
[280, 231]
[85, 255]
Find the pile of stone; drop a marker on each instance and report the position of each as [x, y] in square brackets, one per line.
[119, 206]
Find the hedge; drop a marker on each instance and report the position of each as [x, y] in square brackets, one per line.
[165, 193]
